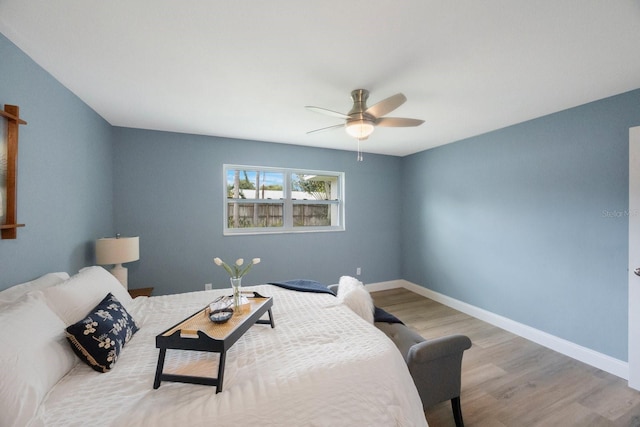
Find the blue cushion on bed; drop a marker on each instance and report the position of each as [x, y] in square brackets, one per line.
[379, 315]
[99, 338]
[304, 285]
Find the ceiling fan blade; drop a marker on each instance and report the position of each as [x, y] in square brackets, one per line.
[327, 128]
[386, 105]
[398, 122]
[327, 112]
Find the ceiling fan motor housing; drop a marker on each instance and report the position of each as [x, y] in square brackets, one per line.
[357, 112]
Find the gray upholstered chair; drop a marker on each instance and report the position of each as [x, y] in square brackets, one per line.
[435, 365]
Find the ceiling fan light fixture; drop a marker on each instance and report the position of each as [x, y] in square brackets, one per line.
[359, 129]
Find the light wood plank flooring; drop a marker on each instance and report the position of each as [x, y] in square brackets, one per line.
[508, 381]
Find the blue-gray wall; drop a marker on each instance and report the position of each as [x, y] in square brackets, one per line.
[529, 222]
[64, 173]
[168, 190]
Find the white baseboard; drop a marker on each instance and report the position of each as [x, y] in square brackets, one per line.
[598, 360]
[383, 286]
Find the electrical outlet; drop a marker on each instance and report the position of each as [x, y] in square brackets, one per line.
[358, 271]
[207, 286]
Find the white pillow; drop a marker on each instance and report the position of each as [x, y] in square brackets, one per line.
[352, 293]
[12, 294]
[76, 297]
[34, 355]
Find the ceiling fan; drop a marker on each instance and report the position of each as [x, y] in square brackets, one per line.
[361, 120]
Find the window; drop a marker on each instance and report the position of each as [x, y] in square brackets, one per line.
[276, 200]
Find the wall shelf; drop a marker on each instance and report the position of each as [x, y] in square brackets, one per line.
[8, 226]
[9, 176]
[10, 116]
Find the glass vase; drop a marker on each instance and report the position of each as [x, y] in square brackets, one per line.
[236, 285]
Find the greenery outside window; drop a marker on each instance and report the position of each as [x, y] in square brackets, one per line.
[278, 200]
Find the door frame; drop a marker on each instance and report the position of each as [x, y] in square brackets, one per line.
[634, 258]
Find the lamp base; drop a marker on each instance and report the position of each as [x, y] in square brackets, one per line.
[120, 273]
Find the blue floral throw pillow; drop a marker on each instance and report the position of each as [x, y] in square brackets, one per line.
[99, 338]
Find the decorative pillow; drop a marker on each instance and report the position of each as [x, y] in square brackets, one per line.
[352, 293]
[11, 294]
[99, 338]
[73, 299]
[34, 356]
[347, 284]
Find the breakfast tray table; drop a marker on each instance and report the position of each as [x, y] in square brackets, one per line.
[198, 333]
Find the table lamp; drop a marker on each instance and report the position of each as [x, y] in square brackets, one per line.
[117, 250]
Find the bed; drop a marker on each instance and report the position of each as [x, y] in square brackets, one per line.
[322, 364]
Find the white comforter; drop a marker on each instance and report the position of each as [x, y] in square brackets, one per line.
[322, 365]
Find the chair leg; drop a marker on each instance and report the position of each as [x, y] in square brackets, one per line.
[457, 411]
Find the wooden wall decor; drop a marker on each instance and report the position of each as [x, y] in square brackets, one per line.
[9, 172]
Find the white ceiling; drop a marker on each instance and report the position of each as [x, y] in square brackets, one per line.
[246, 69]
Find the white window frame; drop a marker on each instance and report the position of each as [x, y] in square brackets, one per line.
[338, 213]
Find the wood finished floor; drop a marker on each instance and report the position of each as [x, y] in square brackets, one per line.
[508, 381]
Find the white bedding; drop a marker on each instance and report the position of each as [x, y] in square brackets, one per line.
[322, 365]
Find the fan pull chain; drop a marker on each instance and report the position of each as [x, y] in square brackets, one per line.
[359, 157]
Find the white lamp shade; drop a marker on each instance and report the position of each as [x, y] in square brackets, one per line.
[359, 129]
[117, 250]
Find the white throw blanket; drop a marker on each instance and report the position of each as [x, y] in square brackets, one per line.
[322, 365]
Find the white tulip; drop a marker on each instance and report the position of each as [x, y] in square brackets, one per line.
[236, 271]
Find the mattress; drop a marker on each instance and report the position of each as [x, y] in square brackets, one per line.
[322, 365]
